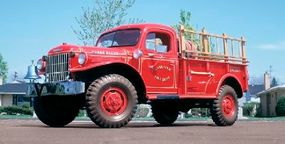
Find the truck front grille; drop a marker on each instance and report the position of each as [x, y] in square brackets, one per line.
[57, 67]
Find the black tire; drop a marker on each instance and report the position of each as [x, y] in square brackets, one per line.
[164, 112]
[56, 111]
[224, 109]
[111, 101]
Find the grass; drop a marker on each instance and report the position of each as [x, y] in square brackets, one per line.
[16, 117]
[266, 118]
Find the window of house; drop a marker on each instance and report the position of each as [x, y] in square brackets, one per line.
[158, 42]
[15, 100]
[21, 100]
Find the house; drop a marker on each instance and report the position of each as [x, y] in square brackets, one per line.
[13, 94]
[251, 94]
[269, 99]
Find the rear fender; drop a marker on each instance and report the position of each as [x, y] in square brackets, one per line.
[222, 82]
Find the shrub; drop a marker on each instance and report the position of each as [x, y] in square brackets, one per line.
[142, 111]
[280, 107]
[82, 113]
[258, 111]
[198, 112]
[26, 106]
[13, 110]
[249, 109]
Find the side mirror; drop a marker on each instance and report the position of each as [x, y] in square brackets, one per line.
[137, 54]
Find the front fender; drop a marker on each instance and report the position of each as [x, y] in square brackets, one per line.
[94, 65]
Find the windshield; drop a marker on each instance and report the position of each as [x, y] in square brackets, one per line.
[119, 38]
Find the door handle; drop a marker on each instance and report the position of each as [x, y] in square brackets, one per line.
[150, 54]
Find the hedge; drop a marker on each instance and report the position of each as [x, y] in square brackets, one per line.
[14, 110]
[249, 109]
[280, 107]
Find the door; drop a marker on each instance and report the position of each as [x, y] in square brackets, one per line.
[158, 64]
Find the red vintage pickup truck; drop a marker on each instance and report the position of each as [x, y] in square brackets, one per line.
[142, 63]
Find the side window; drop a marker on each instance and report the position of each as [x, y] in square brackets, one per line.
[158, 42]
[150, 41]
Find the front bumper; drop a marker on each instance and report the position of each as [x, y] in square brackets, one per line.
[63, 88]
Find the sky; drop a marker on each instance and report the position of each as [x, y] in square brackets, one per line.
[29, 28]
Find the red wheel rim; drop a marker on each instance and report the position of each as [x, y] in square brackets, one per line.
[228, 106]
[113, 101]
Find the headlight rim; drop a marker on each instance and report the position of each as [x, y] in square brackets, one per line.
[82, 58]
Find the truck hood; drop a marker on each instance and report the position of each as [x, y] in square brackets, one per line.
[95, 56]
[66, 48]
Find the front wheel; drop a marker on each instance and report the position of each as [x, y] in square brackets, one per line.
[111, 101]
[56, 111]
[224, 109]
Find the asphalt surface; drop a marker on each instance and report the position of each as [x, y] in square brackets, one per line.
[243, 132]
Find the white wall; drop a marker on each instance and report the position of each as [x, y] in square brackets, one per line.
[1, 80]
[263, 103]
[6, 100]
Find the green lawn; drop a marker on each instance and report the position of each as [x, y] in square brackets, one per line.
[16, 117]
[266, 118]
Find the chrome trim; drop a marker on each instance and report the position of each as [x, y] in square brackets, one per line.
[202, 73]
[57, 67]
[59, 88]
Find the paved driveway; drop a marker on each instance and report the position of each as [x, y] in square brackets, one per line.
[243, 132]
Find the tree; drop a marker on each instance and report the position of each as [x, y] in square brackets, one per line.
[274, 82]
[185, 20]
[104, 15]
[3, 68]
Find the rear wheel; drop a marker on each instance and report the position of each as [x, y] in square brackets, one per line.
[164, 112]
[224, 109]
[111, 101]
[56, 111]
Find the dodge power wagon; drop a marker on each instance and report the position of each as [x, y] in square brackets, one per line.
[142, 64]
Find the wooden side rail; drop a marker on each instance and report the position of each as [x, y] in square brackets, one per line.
[209, 45]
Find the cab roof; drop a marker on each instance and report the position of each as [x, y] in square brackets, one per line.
[141, 26]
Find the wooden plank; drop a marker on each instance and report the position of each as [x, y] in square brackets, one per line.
[205, 41]
[243, 49]
[212, 35]
[223, 43]
[182, 39]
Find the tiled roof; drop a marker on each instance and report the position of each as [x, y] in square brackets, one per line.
[276, 88]
[254, 89]
[13, 88]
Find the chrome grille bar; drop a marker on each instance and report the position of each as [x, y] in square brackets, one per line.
[57, 67]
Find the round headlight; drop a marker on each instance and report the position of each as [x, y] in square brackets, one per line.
[81, 58]
[40, 64]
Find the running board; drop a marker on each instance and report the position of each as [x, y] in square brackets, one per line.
[167, 97]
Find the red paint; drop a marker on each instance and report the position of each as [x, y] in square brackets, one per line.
[228, 106]
[113, 101]
[162, 73]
